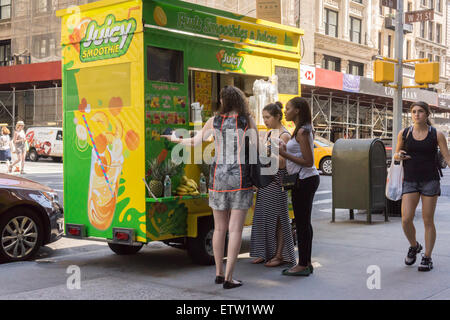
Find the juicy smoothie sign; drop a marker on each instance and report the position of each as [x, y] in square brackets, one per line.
[110, 40]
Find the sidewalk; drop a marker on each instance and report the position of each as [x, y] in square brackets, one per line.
[343, 251]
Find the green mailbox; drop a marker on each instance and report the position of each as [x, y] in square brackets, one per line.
[359, 176]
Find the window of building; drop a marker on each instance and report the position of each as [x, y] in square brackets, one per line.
[331, 63]
[165, 65]
[43, 46]
[408, 49]
[431, 4]
[421, 54]
[355, 30]
[381, 8]
[438, 32]
[430, 30]
[356, 68]
[331, 23]
[438, 59]
[424, 2]
[42, 6]
[380, 44]
[430, 57]
[410, 6]
[359, 1]
[389, 45]
[5, 9]
[439, 5]
[5, 52]
[422, 29]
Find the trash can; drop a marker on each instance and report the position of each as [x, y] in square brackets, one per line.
[359, 176]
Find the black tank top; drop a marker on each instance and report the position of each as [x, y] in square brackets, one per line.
[422, 166]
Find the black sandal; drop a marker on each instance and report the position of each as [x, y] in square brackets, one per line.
[231, 284]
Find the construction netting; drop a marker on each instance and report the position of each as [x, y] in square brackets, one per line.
[36, 31]
[39, 107]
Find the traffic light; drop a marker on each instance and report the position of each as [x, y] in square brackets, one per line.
[384, 71]
[427, 72]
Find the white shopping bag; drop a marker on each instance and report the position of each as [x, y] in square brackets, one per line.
[394, 181]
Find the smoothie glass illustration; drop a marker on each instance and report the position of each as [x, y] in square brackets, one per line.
[102, 195]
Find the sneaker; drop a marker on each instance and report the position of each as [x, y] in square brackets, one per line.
[426, 264]
[412, 252]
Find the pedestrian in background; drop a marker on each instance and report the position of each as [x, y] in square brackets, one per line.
[5, 146]
[299, 156]
[19, 146]
[417, 147]
[231, 188]
[271, 238]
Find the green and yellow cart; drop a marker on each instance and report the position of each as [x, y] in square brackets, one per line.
[131, 70]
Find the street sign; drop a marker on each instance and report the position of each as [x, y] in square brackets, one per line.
[419, 16]
[389, 3]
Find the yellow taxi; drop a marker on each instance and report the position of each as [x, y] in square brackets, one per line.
[323, 149]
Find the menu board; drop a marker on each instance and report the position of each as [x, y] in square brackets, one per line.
[165, 107]
[287, 80]
[203, 90]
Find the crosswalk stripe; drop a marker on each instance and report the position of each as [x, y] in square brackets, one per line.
[322, 201]
[323, 192]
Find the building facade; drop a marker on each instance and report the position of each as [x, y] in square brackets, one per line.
[342, 39]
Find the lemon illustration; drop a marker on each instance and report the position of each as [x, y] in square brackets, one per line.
[160, 16]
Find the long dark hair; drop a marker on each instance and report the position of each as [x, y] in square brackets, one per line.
[304, 116]
[233, 99]
[274, 109]
[425, 107]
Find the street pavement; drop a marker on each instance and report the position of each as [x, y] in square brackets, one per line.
[352, 259]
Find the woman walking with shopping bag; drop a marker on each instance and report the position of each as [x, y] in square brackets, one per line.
[417, 148]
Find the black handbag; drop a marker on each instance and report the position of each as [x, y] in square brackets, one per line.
[288, 181]
[258, 180]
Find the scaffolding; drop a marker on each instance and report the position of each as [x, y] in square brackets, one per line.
[348, 117]
[35, 107]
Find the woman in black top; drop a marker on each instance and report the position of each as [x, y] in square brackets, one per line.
[417, 147]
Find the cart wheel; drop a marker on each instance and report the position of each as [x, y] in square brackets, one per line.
[124, 249]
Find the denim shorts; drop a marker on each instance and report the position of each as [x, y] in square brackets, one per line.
[427, 188]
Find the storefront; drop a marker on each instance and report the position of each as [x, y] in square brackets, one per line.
[349, 106]
[125, 83]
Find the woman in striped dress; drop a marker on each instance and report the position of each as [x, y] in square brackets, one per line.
[271, 238]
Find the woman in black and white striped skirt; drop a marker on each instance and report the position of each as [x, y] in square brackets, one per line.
[271, 238]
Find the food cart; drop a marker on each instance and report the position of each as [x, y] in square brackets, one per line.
[131, 71]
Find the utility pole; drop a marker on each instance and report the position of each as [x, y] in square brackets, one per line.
[398, 97]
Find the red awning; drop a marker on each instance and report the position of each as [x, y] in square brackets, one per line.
[24, 76]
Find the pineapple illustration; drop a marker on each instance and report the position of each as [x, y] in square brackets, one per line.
[156, 176]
